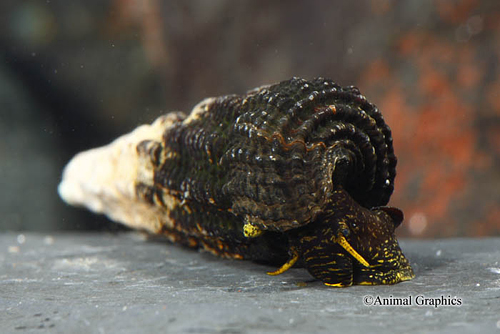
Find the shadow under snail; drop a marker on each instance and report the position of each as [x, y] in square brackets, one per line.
[296, 172]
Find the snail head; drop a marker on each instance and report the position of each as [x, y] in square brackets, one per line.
[350, 244]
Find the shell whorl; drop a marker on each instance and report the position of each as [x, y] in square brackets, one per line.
[273, 155]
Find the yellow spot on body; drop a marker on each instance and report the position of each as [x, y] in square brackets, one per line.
[251, 231]
[367, 283]
[337, 285]
[309, 238]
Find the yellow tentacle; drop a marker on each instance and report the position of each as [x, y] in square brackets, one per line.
[345, 244]
[294, 257]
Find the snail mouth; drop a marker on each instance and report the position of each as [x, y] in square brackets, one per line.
[342, 241]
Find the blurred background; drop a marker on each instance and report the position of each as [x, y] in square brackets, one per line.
[76, 74]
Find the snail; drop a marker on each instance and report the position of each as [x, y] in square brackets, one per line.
[297, 172]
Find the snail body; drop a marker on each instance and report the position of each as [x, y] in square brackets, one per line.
[299, 171]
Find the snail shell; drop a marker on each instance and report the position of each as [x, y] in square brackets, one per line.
[252, 176]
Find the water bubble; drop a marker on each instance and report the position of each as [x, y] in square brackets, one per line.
[21, 239]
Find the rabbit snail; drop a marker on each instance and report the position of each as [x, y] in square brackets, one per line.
[293, 173]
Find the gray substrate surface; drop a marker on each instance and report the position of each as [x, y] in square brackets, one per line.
[103, 283]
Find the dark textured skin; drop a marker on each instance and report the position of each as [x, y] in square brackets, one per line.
[301, 161]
